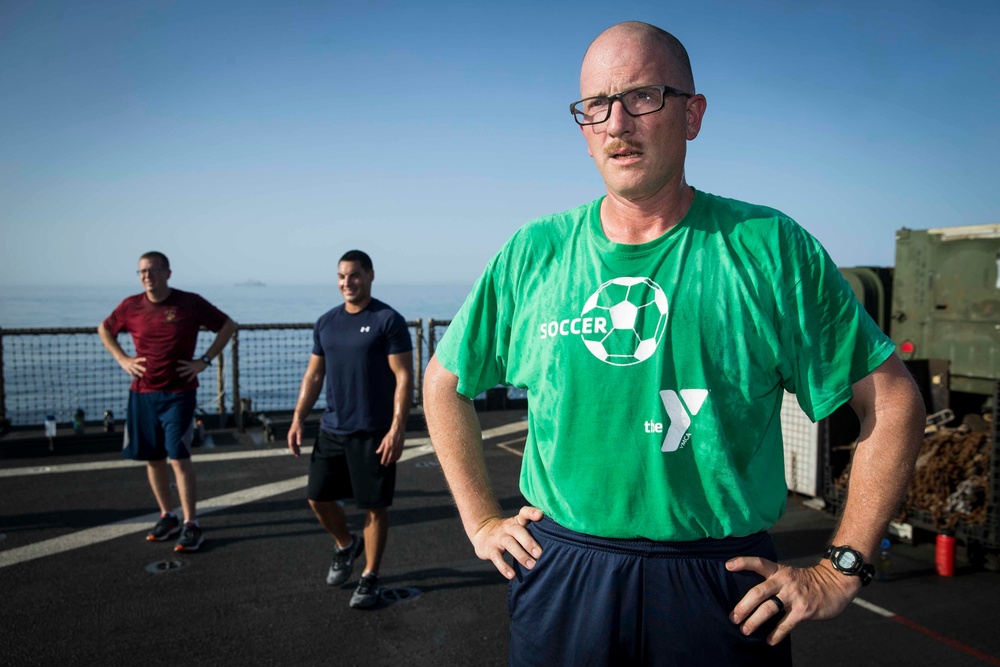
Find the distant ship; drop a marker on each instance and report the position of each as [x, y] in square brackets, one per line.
[250, 282]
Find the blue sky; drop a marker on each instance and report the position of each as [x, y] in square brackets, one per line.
[262, 140]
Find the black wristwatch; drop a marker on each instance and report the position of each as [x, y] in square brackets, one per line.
[851, 562]
[205, 359]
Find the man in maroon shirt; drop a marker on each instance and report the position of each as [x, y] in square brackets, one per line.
[164, 324]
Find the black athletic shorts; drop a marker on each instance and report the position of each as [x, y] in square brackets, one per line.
[346, 466]
[600, 601]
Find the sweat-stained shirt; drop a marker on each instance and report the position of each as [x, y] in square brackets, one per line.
[655, 372]
[164, 333]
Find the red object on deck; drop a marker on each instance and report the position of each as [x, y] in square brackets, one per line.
[944, 555]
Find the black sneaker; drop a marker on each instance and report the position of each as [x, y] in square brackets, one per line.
[367, 592]
[165, 528]
[343, 561]
[191, 538]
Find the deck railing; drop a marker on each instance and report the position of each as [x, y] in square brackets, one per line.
[60, 371]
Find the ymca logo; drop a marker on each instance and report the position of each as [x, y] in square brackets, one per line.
[680, 419]
[622, 323]
[365, 329]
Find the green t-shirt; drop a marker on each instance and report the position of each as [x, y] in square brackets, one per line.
[655, 372]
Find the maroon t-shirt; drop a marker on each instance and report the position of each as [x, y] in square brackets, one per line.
[164, 333]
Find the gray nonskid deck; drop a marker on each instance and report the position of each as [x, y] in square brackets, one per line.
[255, 593]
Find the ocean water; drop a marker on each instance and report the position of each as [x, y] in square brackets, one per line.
[60, 373]
[81, 306]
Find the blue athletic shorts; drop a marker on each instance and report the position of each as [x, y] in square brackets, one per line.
[346, 466]
[600, 601]
[158, 425]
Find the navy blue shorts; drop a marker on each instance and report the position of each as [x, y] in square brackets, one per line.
[601, 601]
[158, 425]
[346, 466]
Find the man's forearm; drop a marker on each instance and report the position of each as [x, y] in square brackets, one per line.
[401, 401]
[890, 439]
[458, 442]
[111, 343]
[308, 394]
[221, 339]
[880, 475]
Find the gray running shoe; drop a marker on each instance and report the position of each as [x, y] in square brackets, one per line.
[165, 528]
[367, 592]
[343, 561]
[191, 538]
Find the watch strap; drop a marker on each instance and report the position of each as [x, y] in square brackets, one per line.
[867, 574]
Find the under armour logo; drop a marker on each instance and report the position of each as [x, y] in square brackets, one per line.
[677, 434]
[365, 329]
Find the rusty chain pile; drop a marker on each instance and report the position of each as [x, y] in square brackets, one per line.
[951, 479]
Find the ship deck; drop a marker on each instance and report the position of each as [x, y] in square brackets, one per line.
[81, 585]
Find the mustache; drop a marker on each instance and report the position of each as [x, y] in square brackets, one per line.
[620, 146]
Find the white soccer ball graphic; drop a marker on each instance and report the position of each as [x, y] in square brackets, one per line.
[635, 312]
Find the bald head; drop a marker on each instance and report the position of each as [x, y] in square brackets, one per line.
[643, 39]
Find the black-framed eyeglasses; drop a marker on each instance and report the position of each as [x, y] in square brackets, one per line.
[636, 102]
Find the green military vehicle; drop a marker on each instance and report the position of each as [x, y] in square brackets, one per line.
[941, 305]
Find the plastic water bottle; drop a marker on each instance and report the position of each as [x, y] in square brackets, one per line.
[78, 418]
[50, 426]
[883, 563]
[109, 421]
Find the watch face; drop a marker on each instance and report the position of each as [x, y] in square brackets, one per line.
[847, 560]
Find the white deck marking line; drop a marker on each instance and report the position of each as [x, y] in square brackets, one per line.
[138, 524]
[933, 634]
[82, 538]
[68, 467]
[506, 446]
[506, 429]
[199, 457]
[873, 608]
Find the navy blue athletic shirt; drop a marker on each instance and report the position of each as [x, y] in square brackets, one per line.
[359, 383]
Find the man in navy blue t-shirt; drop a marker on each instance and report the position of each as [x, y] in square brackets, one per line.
[362, 351]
